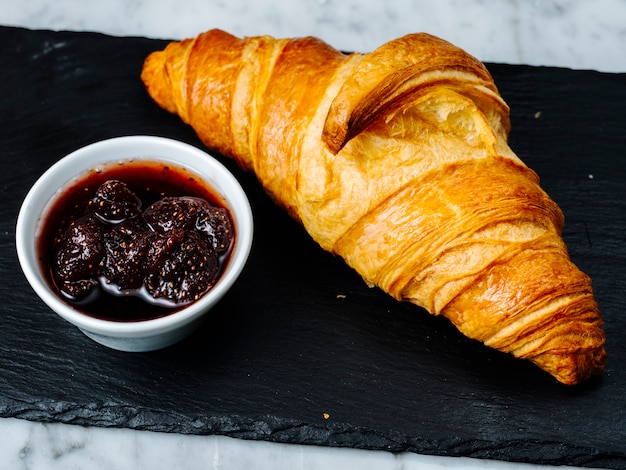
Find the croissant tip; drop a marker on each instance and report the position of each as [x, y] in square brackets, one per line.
[574, 369]
[153, 75]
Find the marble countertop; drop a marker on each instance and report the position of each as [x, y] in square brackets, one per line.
[577, 34]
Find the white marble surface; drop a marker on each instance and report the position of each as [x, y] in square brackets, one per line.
[578, 34]
[38, 446]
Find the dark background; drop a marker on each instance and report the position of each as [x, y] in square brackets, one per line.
[300, 334]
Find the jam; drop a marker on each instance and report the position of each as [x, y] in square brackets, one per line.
[135, 240]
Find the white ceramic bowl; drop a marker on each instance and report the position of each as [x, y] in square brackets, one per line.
[143, 335]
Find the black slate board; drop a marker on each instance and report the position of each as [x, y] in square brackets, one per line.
[300, 335]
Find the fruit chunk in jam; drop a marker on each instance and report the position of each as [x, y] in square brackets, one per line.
[164, 256]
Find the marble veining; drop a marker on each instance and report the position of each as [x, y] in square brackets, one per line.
[578, 34]
[51, 446]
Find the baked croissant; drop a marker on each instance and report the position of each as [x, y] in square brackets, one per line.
[398, 162]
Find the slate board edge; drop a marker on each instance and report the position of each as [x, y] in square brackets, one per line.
[278, 430]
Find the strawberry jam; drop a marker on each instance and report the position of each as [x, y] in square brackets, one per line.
[135, 240]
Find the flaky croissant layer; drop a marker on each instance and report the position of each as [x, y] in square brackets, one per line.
[398, 162]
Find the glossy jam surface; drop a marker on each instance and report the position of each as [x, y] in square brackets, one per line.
[135, 240]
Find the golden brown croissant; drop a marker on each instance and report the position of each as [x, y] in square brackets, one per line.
[398, 162]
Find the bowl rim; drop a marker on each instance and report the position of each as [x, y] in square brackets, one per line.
[155, 148]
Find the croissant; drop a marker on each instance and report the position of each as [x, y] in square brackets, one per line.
[397, 161]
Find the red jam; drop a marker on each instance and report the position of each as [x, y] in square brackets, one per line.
[135, 240]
